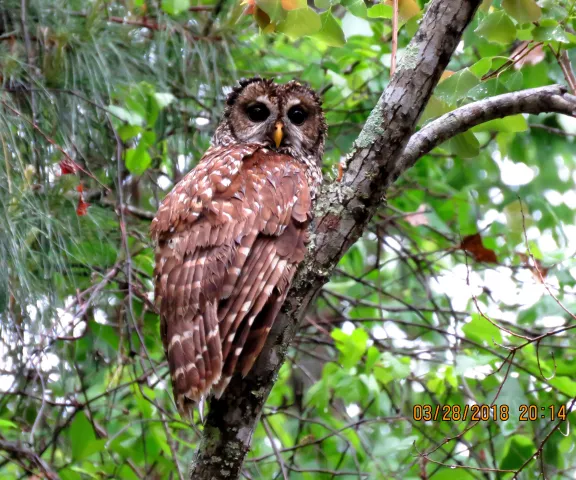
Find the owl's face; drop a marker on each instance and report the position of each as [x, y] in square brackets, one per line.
[285, 117]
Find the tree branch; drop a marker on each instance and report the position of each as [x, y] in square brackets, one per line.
[343, 211]
[552, 98]
[20, 452]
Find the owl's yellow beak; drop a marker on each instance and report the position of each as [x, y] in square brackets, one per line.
[278, 134]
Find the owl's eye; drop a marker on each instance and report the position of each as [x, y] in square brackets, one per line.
[297, 115]
[258, 112]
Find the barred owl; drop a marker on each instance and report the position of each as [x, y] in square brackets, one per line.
[231, 233]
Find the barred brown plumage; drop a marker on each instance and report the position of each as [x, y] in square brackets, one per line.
[231, 234]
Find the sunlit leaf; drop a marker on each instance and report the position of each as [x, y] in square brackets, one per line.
[331, 33]
[174, 7]
[523, 10]
[497, 27]
[138, 159]
[299, 23]
[355, 7]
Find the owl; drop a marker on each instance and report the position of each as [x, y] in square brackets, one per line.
[231, 233]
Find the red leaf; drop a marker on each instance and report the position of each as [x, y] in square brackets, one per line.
[473, 244]
[67, 167]
[251, 7]
[82, 208]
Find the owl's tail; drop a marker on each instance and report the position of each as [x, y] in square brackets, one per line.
[194, 355]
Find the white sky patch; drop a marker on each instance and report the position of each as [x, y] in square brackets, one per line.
[563, 170]
[550, 321]
[352, 25]
[379, 333]
[569, 198]
[49, 361]
[348, 328]
[496, 195]
[392, 244]
[568, 123]
[100, 316]
[490, 217]
[554, 198]
[515, 174]
[182, 163]
[353, 410]
[201, 121]
[462, 450]
[32, 311]
[546, 243]
[164, 182]
[453, 283]
[533, 232]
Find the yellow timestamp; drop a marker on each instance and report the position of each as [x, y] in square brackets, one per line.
[483, 413]
[531, 413]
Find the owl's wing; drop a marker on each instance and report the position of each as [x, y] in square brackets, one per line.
[282, 198]
[195, 231]
[229, 237]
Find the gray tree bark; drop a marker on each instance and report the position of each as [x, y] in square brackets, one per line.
[381, 153]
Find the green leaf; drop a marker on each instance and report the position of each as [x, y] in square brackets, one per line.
[551, 32]
[273, 9]
[300, 23]
[81, 435]
[512, 395]
[138, 159]
[380, 11]
[174, 7]
[511, 124]
[482, 331]
[126, 132]
[69, 474]
[518, 448]
[7, 424]
[164, 99]
[132, 118]
[391, 367]
[464, 145]
[351, 347]
[525, 11]
[565, 384]
[497, 27]
[331, 33]
[456, 87]
[4, 294]
[481, 67]
[355, 7]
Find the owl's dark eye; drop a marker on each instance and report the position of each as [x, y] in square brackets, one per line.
[258, 112]
[297, 115]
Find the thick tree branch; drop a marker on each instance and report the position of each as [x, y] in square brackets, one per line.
[21, 453]
[534, 100]
[343, 211]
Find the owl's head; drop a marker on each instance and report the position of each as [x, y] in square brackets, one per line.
[285, 117]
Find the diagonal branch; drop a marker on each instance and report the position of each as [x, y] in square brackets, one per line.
[343, 212]
[553, 98]
[21, 452]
